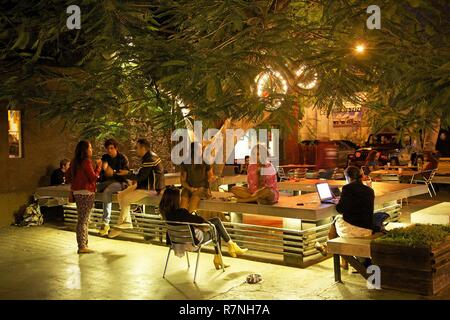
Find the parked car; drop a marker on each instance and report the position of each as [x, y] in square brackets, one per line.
[388, 144]
[358, 159]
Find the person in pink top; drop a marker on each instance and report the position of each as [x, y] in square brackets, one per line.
[261, 179]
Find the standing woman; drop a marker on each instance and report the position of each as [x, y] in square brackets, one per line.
[83, 180]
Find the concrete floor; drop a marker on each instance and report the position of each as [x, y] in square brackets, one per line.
[41, 263]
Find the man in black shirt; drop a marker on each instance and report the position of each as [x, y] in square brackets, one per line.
[443, 144]
[56, 179]
[356, 204]
[58, 176]
[114, 168]
[149, 177]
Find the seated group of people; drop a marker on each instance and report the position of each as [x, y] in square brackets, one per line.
[112, 175]
[372, 162]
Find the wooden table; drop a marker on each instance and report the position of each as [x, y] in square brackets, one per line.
[302, 226]
[174, 179]
[392, 173]
[441, 179]
[406, 167]
[308, 185]
[444, 166]
[297, 166]
[287, 207]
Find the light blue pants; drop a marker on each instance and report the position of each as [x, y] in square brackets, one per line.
[107, 199]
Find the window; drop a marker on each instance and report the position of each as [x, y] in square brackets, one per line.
[14, 134]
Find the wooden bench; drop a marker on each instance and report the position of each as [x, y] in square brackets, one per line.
[350, 249]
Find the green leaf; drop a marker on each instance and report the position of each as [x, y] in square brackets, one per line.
[174, 63]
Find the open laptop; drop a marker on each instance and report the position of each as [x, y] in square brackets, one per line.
[325, 194]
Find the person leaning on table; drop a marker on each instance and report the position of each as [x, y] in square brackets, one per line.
[195, 179]
[149, 177]
[356, 206]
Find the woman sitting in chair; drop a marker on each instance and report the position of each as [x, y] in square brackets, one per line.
[261, 178]
[372, 162]
[430, 164]
[170, 209]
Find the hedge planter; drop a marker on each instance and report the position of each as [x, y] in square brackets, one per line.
[422, 268]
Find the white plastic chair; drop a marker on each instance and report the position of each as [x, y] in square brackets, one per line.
[282, 174]
[181, 233]
[428, 181]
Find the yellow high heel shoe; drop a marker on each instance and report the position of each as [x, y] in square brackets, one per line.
[218, 262]
[234, 250]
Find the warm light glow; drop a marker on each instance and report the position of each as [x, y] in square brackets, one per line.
[360, 48]
[269, 82]
[311, 80]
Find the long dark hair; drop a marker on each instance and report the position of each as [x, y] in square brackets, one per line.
[430, 158]
[81, 154]
[353, 173]
[170, 201]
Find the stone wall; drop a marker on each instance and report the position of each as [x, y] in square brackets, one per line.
[44, 144]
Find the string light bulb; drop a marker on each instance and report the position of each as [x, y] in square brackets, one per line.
[303, 84]
[273, 81]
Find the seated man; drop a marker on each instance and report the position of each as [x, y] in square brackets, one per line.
[262, 180]
[149, 177]
[114, 168]
[58, 176]
[356, 206]
[244, 167]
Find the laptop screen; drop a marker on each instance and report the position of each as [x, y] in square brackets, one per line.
[324, 191]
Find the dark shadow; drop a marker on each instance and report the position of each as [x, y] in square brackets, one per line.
[233, 275]
[179, 290]
[44, 181]
[111, 257]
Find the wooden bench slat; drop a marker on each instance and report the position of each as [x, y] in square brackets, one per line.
[357, 247]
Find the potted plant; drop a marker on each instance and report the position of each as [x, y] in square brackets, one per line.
[415, 258]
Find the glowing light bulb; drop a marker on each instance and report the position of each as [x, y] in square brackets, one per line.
[360, 48]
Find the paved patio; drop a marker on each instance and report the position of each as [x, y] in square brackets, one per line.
[41, 263]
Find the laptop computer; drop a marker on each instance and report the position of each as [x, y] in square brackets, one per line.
[325, 194]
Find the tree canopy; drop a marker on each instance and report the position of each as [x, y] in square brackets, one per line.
[144, 61]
